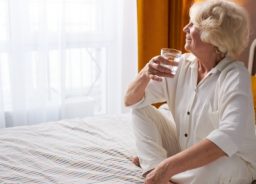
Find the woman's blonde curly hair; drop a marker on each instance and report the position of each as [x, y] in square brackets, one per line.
[223, 24]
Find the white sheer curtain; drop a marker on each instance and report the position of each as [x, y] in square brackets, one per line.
[64, 58]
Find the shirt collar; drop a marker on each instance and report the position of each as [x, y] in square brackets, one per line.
[222, 64]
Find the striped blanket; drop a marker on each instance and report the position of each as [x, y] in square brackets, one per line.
[87, 151]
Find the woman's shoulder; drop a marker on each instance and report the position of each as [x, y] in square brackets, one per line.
[235, 74]
[189, 57]
[235, 66]
[187, 62]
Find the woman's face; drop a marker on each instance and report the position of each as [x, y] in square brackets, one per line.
[193, 42]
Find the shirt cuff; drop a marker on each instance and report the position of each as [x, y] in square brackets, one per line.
[223, 141]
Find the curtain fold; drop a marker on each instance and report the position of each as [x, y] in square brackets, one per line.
[160, 24]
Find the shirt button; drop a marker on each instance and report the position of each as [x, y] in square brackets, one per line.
[188, 113]
[185, 134]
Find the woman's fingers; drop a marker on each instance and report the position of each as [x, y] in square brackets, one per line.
[155, 65]
[155, 77]
[158, 67]
[160, 71]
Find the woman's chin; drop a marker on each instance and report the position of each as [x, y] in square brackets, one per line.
[186, 47]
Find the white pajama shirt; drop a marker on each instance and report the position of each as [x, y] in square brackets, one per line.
[219, 107]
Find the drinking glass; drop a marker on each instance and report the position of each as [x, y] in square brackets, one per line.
[171, 55]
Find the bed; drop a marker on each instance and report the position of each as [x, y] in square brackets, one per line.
[87, 151]
[90, 150]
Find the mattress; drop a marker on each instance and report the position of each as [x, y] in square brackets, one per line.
[90, 150]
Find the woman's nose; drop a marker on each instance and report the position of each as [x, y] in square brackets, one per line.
[185, 29]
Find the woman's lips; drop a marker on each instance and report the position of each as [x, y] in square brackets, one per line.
[188, 38]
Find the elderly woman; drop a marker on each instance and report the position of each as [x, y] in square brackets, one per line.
[211, 139]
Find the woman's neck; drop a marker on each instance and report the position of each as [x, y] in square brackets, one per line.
[205, 64]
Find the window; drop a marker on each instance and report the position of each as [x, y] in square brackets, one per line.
[58, 56]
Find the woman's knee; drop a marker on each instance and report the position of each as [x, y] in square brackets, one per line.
[147, 110]
[145, 114]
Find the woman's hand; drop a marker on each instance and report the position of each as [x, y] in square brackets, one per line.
[155, 70]
[198, 155]
[159, 175]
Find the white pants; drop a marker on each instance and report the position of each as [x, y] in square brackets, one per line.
[156, 140]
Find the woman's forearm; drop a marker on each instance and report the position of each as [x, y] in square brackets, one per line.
[196, 156]
[136, 89]
[152, 70]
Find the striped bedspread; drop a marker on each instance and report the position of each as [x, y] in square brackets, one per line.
[87, 151]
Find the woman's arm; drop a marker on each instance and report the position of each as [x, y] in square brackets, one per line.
[197, 155]
[136, 89]
[152, 70]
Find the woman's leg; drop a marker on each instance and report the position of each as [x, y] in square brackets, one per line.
[156, 137]
[225, 170]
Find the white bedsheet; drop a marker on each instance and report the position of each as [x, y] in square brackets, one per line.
[91, 150]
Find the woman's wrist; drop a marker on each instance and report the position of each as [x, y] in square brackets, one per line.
[172, 166]
[143, 74]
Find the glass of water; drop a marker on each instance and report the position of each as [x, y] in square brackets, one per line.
[171, 55]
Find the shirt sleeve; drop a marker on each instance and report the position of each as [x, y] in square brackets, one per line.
[236, 118]
[155, 92]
